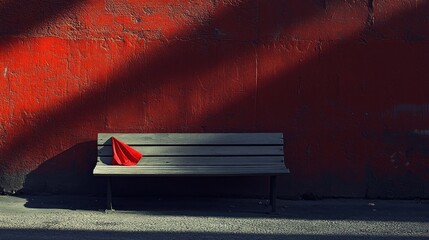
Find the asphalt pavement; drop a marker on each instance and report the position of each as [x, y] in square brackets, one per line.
[72, 217]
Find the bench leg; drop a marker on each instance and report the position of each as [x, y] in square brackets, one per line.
[109, 194]
[273, 192]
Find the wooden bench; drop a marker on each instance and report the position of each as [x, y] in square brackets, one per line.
[196, 154]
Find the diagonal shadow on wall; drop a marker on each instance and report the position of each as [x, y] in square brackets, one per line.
[337, 111]
[19, 18]
[144, 74]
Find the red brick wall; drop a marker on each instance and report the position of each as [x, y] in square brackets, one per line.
[346, 81]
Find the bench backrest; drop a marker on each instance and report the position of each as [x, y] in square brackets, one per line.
[203, 153]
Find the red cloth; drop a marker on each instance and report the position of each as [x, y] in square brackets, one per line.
[124, 154]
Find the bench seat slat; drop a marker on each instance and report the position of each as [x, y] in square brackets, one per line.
[193, 138]
[225, 160]
[103, 170]
[200, 150]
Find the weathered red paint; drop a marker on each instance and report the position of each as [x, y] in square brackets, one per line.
[344, 80]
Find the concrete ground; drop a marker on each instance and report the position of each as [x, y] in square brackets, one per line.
[63, 217]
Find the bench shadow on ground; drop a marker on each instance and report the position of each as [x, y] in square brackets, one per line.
[192, 206]
[329, 209]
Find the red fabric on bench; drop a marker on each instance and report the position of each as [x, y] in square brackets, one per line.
[124, 154]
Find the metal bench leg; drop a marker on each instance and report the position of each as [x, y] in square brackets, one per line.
[109, 194]
[273, 192]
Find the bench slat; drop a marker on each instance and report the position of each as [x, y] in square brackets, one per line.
[103, 170]
[200, 150]
[193, 138]
[204, 161]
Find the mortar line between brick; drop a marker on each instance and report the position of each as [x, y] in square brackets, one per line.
[256, 44]
[371, 18]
